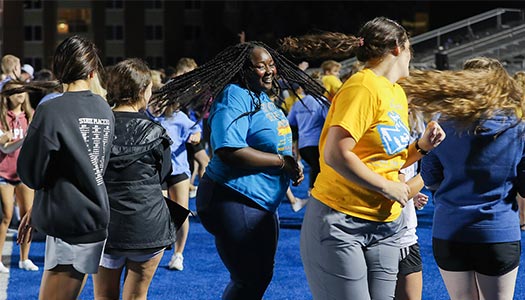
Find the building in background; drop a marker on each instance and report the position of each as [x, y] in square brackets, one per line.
[32, 29]
[162, 31]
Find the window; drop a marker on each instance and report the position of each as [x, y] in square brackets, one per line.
[154, 32]
[36, 62]
[32, 4]
[114, 4]
[33, 33]
[153, 4]
[192, 32]
[114, 32]
[74, 20]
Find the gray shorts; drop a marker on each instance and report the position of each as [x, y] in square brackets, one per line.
[117, 261]
[85, 258]
[345, 257]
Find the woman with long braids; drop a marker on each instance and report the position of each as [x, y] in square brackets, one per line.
[63, 158]
[353, 222]
[475, 176]
[250, 172]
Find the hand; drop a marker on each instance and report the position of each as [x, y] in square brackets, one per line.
[6, 137]
[195, 138]
[432, 136]
[303, 65]
[397, 191]
[293, 170]
[25, 231]
[420, 200]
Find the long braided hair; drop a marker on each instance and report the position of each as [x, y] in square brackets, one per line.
[196, 88]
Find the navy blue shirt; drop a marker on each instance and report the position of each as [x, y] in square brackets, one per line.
[475, 177]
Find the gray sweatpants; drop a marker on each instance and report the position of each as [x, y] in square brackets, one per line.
[348, 258]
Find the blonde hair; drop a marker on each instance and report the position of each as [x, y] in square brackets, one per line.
[184, 65]
[9, 63]
[156, 79]
[467, 96]
[329, 65]
[519, 77]
[5, 104]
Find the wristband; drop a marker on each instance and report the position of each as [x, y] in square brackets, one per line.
[423, 152]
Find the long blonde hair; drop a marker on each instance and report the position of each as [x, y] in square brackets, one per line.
[519, 77]
[478, 92]
[5, 103]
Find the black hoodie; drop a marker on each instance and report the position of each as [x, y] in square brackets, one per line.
[64, 156]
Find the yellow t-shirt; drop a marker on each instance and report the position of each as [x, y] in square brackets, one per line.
[375, 112]
[332, 84]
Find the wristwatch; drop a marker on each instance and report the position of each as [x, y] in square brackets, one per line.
[423, 152]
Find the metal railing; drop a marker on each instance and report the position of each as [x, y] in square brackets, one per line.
[463, 24]
[437, 33]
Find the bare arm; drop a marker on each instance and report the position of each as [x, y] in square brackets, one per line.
[339, 156]
[10, 147]
[250, 158]
[415, 184]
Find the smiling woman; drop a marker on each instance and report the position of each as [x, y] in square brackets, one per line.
[253, 164]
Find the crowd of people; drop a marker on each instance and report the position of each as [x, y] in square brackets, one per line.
[100, 181]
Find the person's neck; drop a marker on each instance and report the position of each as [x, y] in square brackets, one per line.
[126, 108]
[385, 67]
[17, 109]
[77, 86]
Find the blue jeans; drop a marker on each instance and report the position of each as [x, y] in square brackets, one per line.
[245, 236]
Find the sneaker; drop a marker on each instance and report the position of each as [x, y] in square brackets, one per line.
[176, 262]
[299, 204]
[3, 269]
[27, 265]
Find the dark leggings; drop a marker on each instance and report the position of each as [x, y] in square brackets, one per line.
[245, 236]
[310, 154]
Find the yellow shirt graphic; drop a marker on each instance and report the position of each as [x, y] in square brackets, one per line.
[374, 111]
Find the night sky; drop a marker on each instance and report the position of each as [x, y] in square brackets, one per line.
[269, 21]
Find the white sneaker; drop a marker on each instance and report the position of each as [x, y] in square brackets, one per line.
[3, 269]
[299, 204]
[27, 265]
[176, 262]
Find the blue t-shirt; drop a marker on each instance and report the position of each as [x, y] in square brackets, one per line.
[309, 119]
[233, 126]
[475, 177]
[179, 128]
[49, 97]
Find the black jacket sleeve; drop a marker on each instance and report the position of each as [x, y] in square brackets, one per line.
[35, 154]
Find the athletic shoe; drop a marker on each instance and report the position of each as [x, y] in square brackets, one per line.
[176, 262]
[27, 265]
[3, 269]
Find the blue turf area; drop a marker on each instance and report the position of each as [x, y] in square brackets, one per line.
[204, 276]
